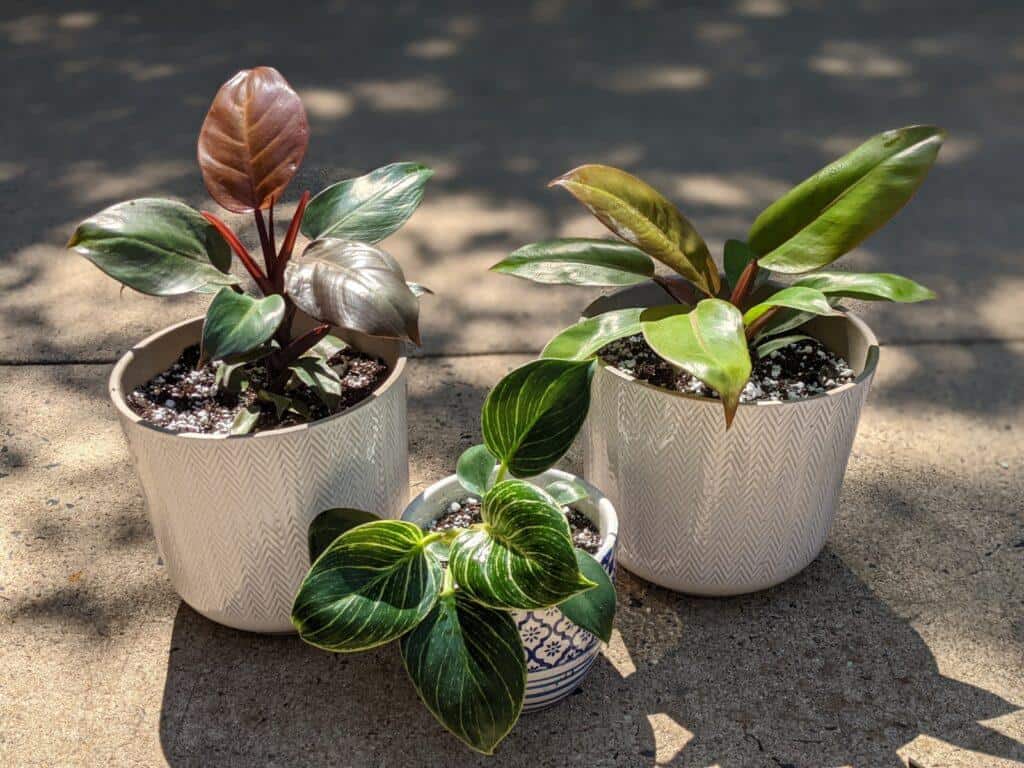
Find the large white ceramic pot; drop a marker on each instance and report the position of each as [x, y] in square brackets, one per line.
[715, 512]
[231, 513]
[559, 654]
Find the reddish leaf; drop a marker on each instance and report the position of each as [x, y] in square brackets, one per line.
[253, 140]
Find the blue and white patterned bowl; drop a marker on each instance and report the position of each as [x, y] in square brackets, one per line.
[558, 653]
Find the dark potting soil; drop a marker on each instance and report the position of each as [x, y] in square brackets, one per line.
[186, 398]
[464, 513]
[800, 370]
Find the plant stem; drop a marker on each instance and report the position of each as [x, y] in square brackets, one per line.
[744, 284]
[270, 228]
[289, 239]
[240, 250]
[448, 585]
[282, 358]
[266, 243]
[755, 327]
[670, 289]
[502, 471]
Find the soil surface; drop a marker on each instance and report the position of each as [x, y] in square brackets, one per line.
[185, 398]
[464, 513]
[802, 369]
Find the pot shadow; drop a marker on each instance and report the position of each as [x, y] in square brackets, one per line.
[815, 672]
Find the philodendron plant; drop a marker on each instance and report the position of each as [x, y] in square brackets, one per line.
[805, 230]
[447, 596]
[250, 146]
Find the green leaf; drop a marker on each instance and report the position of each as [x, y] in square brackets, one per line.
[315, 373]
[735, 257]
[707, 342]
[237, 323]
[474, 470]
[566, 492]
[355, 286]
[373, 584]
[531, 417]
[642, 216]
[594, 610]
[837, 208]
[245, 420]
[867, 286]
[468, 666]
[157, 247]
[586, 338]
[330, 524]
[782, 321]
[283, 404]
[368, 208]
[521, 556]
[801, 298]
[763, 350]
[579, 261]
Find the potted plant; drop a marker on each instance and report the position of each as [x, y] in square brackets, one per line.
[245, 423]
[497, 587]
[717, 505]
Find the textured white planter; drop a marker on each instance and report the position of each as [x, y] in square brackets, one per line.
[711, 512]
[231, 514]
[559, 654]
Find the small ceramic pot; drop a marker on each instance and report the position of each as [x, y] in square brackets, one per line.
[714, 512]
[558, 653]
[231, 513]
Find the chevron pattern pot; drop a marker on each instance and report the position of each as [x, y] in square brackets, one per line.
[715, 512]
[559, 654]
[231, 514]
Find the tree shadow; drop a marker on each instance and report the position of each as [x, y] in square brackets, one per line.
[815, 672]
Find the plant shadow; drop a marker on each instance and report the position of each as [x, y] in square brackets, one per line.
[815, 672]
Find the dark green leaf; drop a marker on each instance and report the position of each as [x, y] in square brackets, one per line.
[368, 208]
[578, 261]
[283, 404]
[373, 584]
[735, 258]
[328, 347]
[842, 204]
[765, 349]
[474, 470]
[594, 610]
[801, 298]
[330, 524]
[566, 492]
[468, 666]
[868, 286]
[707, 342]
[586, 338]
[237, 323]
[642, 216]
[355, 286]
[522, 554]
[531, 417]
[245, 420]
[158, 247]
[315, 373]
[782, 321]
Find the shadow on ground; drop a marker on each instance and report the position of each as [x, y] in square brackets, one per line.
[815, 672]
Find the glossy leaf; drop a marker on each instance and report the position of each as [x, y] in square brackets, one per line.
[782, 321]
[842, 204]
[157, 247]
[867, 286]
[235, 375]
[522, 554]
[578, 261]
[315, 373]
[245, 420]
[780, 342]
[643, 217]
[707, 342]
[531, 417]
[801, 298]
[468, 666]
[419, 290]
[735, 257]
[587, 337]
[593, 610]
[367, 208]
[328, 347]
[355, 286]
[283, 404]
[474, 469]
[237, 323]
[330, 524]
[253, 140]
[566, 492]
[373, 584]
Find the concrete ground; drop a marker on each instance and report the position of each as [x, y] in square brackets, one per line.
[902, 644]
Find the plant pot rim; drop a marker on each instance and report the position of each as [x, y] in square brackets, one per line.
[117, 394]
[861, 379]
[602, 506]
